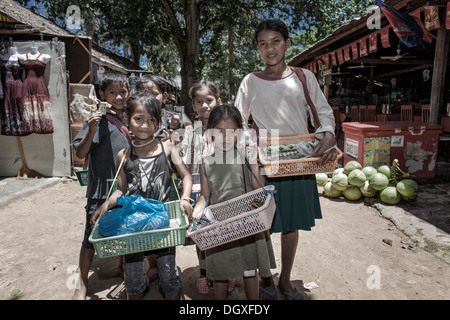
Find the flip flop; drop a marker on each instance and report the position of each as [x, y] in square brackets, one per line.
[288, 295]
[272, 294]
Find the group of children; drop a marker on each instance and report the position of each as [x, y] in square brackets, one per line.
[150, 155]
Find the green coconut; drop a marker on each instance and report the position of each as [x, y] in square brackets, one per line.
[386, 170]
[331, 191]
[339, 181]
[390, 195]
[407, 188]
[321, 179]
[356, 177]
[368, 171]
[367, 190]
[352, 165]
[378, 181]
[352, 193]
[337, 171]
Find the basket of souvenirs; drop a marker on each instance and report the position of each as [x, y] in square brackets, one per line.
[237, 218]
[290, 156]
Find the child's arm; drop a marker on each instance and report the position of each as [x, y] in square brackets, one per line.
[202, 199]
[255, 184]
[122, 189]
[85, 144]
[185, 203]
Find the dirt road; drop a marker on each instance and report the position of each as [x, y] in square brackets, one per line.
[345, 255]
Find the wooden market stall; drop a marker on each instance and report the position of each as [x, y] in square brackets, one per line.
[69, 71]
[365, 63]
[390, 100]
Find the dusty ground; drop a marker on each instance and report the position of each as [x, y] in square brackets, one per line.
[344, 254]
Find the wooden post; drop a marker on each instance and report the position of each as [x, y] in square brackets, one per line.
[439, 71]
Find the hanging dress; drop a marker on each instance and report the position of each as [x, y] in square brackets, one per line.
[36, 98]
[12, 108]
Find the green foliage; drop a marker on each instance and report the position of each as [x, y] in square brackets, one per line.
[202, 38]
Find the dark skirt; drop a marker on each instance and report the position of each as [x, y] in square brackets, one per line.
[297, 201]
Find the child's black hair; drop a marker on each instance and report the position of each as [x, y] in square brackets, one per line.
[274, 25]
[160, 82]
[110, 77]
[211, 86]
[224, 111]
[148, 101]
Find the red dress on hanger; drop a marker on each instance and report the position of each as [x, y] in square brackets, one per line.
[12, 109]
[36, 98]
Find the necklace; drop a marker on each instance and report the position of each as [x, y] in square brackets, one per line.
[147, 143]
[141, 145]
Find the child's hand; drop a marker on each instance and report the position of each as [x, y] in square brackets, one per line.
[95, 215]
[187, 208]
[92, 120]
[109, 108]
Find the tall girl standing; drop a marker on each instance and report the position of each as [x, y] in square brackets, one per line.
[276, 100]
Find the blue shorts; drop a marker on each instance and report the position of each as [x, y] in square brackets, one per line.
[91, 206]
[135, 277]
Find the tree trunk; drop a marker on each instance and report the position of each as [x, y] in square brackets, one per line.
[230, 63]
[188, 45]
[189, 74]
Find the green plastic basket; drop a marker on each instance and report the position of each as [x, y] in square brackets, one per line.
[82, 177]
[173, 192]
[109, 181]
[143, 241]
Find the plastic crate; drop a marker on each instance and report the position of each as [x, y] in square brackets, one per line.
[235, 219]
[293, 167]
[143, 241]
[82, 176]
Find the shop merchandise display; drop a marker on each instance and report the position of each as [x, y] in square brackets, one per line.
[12, 106]
[26, 107]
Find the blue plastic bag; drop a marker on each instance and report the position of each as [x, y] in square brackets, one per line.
[137, 214]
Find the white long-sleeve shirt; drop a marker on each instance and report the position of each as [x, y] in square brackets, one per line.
[281, 104]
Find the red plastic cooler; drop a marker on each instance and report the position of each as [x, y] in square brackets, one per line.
[413, 144]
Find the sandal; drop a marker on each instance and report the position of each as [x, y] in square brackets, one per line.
[202, 285]
[231, 284]
[286, 294]
[272, 294]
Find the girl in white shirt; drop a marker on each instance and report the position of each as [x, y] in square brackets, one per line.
[275, 99]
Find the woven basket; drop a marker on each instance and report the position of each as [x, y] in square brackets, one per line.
[82, 176]
[294, 167]
[143, 241]
[235, 219]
